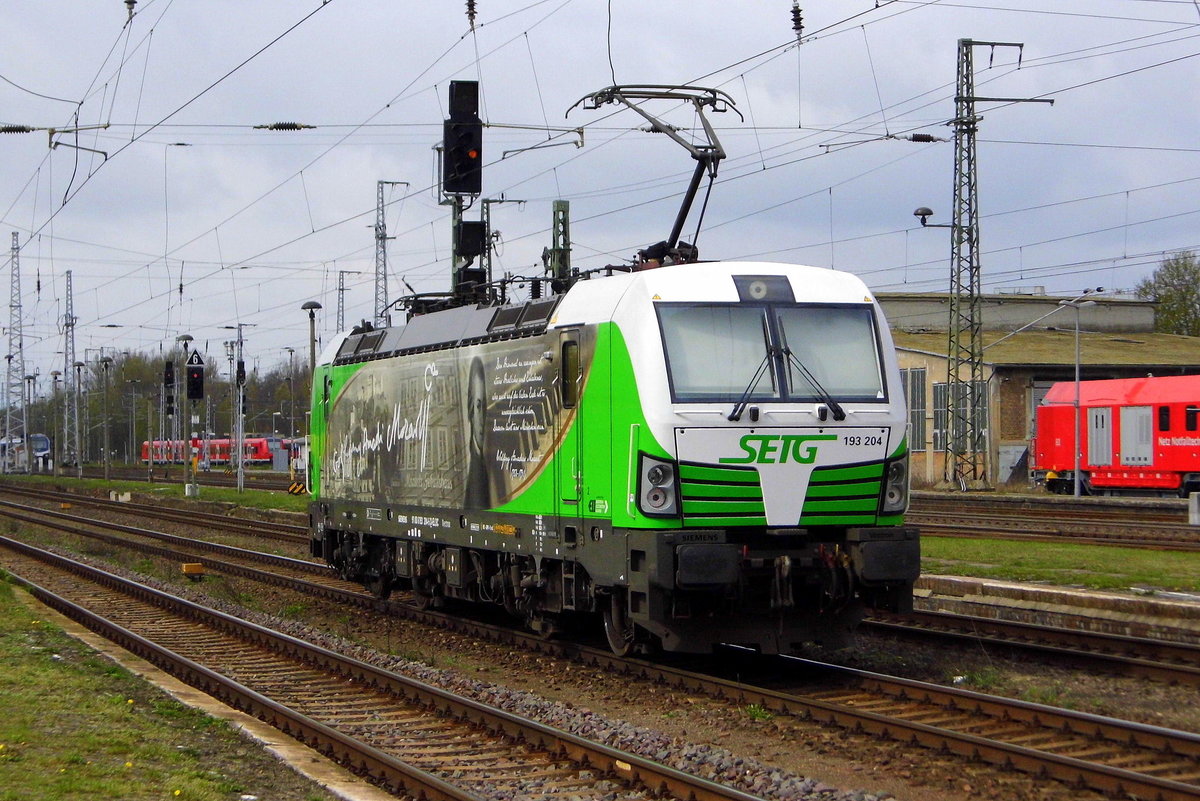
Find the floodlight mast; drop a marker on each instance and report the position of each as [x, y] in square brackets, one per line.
[707, 155]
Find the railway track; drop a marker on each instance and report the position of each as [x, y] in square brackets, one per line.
[1137, 656]
[1112, 756]
[177, 474]
[1149, 523]
[404, 734]
[285, 532]
[1151, 536]
[1174, 663]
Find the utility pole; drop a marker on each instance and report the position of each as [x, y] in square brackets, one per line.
[239, 417]
[291, 376]
[967, 457]
[105, 365]
[234, 444]
[14, 412]
[55, 448]
[381, 237]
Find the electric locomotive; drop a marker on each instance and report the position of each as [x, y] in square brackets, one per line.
[690, 455]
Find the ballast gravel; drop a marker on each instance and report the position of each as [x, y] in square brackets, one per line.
[709, 762]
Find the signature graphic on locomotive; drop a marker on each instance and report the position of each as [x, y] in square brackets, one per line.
[466, 428]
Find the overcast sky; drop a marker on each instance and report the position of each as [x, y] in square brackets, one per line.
[1092, 190]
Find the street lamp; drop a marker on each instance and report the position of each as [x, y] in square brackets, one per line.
[291, 394]
[924, 212]
[106, 363]
[311, 307]
[30, 423]
[78, 434]
[56, 446]
[1078, 303]
[134, 453]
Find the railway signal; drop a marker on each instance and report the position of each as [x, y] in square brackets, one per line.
[195, 376]
[169, 387]
[462, 141]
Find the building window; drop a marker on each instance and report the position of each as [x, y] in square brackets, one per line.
[942, 419]
[913, 381]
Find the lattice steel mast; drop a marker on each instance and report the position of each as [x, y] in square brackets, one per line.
[381, 237]
[14, 412]
[71, 450]
[341, 292]
[966, 460]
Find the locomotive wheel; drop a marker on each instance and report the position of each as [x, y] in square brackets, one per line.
[424, 595]
[618, 628]
[379, 585]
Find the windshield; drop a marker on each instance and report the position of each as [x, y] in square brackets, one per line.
[838, 346]
[714, 351]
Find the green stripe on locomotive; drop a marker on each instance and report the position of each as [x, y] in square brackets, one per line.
[602, 440]
[336, 378]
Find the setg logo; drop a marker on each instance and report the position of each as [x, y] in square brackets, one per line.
[778, 448]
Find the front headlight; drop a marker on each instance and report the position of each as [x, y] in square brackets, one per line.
[657, 495]
[895, 486]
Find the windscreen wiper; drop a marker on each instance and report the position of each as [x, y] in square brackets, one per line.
[740, 406]
[838, 412]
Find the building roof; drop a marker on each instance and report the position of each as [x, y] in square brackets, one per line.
[1056, 347]
[1129, 391]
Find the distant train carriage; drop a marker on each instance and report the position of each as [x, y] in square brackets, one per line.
[1140, 436]
[255, 450]
[34, 453]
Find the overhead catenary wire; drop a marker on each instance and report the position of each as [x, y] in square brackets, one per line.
[249, 262]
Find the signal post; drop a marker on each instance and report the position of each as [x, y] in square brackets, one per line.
[195, 392]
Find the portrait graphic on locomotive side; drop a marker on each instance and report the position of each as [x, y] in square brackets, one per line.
[467, 428]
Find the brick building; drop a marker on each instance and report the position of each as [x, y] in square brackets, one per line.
[1116, 340]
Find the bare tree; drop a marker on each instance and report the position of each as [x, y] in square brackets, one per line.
[1175, 287]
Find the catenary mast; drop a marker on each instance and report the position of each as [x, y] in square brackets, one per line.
[14, 413]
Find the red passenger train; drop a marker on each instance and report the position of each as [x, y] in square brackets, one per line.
[257, 450]
[1141, 436]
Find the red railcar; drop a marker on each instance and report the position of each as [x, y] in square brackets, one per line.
[257, 450]
[1140, 436]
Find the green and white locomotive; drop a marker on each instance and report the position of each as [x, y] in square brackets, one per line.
[695, 454]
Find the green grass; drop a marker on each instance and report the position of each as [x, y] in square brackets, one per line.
[759, 713]
[74, 725]
[1099, 567]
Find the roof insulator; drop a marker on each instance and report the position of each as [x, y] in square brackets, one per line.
[284, 126]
